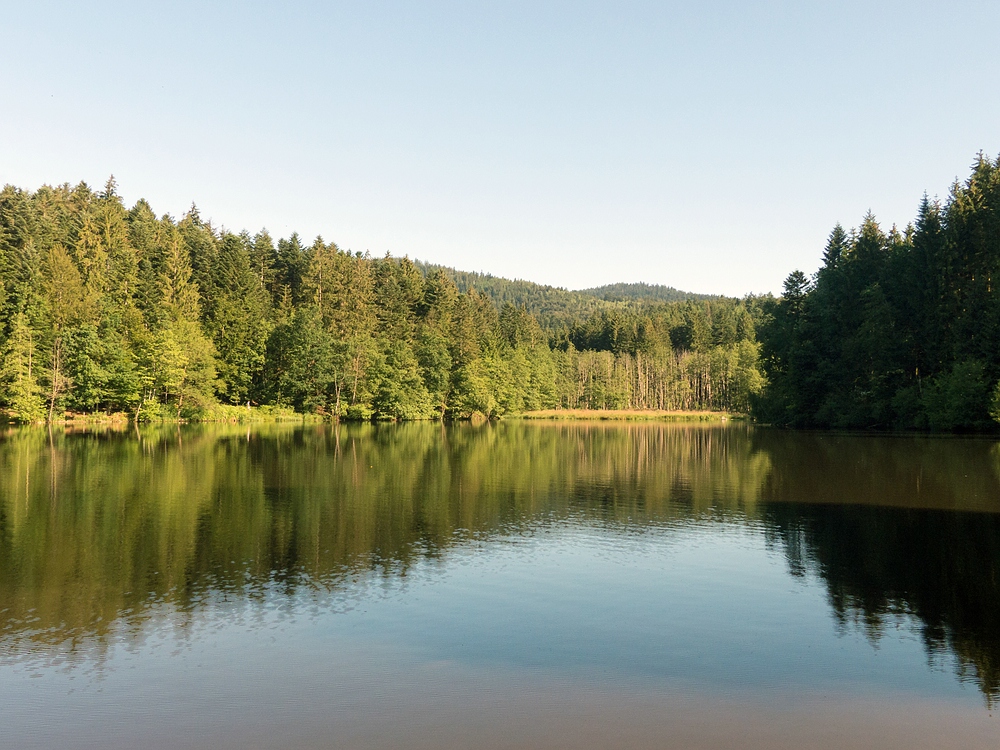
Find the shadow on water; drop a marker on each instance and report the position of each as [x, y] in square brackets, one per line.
[101, 531]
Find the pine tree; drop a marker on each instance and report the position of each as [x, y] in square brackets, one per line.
[290, 266]
[201, 244]
[122, 271]
[239, 321]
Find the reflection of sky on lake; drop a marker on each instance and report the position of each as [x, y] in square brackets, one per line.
[704, 605]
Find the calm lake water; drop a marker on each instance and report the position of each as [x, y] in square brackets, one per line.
[511, 585]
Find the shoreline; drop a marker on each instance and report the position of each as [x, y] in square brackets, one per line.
[629, 415]
[241, 415]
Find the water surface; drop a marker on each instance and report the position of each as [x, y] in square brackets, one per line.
[499, 586]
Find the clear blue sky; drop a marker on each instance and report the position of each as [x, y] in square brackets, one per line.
[710, 146]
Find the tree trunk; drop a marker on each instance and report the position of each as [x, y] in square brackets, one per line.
[56, 346]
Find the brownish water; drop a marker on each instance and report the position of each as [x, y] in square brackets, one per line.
[500, 586]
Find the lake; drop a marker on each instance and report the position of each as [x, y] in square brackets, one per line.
[507, 585]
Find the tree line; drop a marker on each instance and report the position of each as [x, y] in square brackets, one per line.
[106, 309]
[897, 329]
[109, 309]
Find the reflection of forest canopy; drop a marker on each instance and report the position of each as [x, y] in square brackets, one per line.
[99, 529]
[912, 471]
[96, 525]
[943, 568]
[896, 525]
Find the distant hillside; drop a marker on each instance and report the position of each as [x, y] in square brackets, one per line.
[556, 307]
[642, 292]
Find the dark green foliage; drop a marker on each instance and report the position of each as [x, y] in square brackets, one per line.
[896, 329]
[640, 292]
[290, 266]
[555, 308]
[958, 399]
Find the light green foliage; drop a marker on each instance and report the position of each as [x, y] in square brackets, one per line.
[471, 391]
[18, 373]
[182, 364]
[238, 319]
[435, 365]
[122, 311]
[307, 366]
[400, 392]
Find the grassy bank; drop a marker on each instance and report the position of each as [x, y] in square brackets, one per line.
[629, 415]
[217, 413]
[228, 413]
[243, 414]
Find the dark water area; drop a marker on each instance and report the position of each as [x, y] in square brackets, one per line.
[511, 585]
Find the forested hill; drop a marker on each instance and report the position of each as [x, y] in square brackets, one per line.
[555, 307]
[642, 292]
[108, 308]
[897, 329]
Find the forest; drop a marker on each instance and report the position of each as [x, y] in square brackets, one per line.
[897, 329]
[113, 310]
[117, 311]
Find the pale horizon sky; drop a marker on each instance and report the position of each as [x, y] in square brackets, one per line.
[707, 146]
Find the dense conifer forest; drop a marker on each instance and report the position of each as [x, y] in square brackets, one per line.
[897, 329]
[110, 309]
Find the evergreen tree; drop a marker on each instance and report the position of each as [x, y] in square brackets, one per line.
[238, 321]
